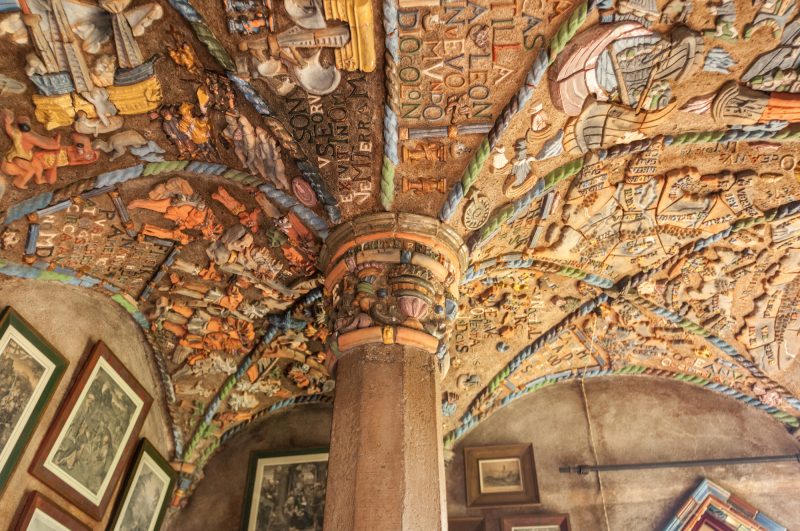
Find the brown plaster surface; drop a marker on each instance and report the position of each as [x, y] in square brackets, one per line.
[742, 290]
[384, 470]
[636, 419]
[218, 501]
[424, 460]
[73, 320]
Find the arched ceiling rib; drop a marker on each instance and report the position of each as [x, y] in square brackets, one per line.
[623, 172]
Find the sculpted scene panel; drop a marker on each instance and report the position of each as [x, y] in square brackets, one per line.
[623, 175]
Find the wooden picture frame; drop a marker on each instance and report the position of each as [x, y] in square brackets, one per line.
[534, 522]
[466, 523]
[103, 411]
[291, 466]
[716, 508]
[500, 475]
[39, 511]
[30, 369]
[146, 494]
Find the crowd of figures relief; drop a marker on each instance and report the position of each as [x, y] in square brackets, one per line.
[624, 173]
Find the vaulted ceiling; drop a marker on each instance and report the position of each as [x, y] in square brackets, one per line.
[624, 174]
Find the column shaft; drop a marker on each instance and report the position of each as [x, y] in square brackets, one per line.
[391, 291]
[386, 470]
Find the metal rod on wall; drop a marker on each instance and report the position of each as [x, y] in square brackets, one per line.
[585, 469]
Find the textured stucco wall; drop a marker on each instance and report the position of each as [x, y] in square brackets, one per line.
[634, 419]
[637, 419]
[387, 405]
[217, 503]
[72, 320]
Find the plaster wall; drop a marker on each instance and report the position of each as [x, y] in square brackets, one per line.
[73, 320]
[218, 501]
[387, 409]
[633, 419]
[636, 419]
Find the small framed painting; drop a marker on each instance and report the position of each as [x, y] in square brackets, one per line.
[500, 475]
[94, 433]
[286, 490]
[145, 497]
[41, 514]
[30, 369]
[465, 523]
[535, 522]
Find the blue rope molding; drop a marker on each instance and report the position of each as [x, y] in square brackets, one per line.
[718, 342]
[185, 482]
[520, 262]
[277, 325]
[277, 406]
[307, 169]
[63, 275]
[535, 74]
[391, 106]
[42, 271]
[469, 421]
[623, 287]
[62, 197]
[514, 209]
[768, 216]
[112, 178]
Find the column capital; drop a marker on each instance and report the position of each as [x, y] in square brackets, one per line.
[392, 279]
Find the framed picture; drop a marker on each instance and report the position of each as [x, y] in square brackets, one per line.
[710, 507]
[94, 433]
[30, 369]
[286, 490]
[465, 523]
[41, 514]
[534, 522]
[145, 497]
[500, 475]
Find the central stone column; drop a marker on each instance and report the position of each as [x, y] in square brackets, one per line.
[391, 288]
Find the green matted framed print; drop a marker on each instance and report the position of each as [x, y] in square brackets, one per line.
[144, 499]
[42, 514]
[30, 369]
[286, 490]
[94, 433]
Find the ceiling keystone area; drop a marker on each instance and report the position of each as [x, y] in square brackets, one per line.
[624, 174]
